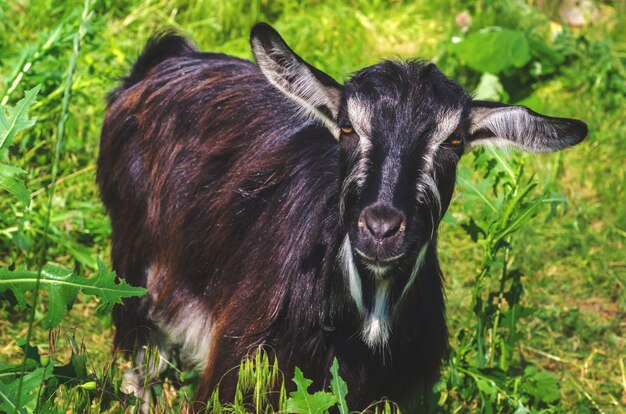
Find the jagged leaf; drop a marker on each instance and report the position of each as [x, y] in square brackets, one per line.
[10, 182]
[15, 119]
[75, 372]
[301, 402]
[339, 388]
[473, 229]
[30, 352]
[63, 286]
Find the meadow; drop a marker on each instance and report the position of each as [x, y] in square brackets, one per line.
[532, 247]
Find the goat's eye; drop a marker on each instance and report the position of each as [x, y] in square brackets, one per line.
[346, 129]
[455, 140]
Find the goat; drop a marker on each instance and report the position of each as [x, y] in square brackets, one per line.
[267, 204]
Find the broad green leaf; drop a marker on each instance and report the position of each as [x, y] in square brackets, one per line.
[15, 119]
[493, 50]
[541, 385]
[490, 89]
[301, 402]
[28, 397]
[339, 388]
[63, 286]
[10, 182]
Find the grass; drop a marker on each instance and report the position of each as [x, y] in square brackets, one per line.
[574, 265]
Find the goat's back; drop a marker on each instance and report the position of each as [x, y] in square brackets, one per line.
[210, 177]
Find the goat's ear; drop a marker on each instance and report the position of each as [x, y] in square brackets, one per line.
[501, 124]
[311, 88]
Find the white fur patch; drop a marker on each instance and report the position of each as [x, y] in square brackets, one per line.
[191, 327]
[427, 190]
[446, 124]
[377, 325]
[152, 283]
[378, 271]
[414, 272]
[360, 115]
[376, 328]
[346, 261]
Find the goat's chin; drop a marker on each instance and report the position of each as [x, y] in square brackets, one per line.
[379, 269]
[379, 265]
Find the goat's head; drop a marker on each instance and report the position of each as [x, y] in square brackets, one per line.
[402, 127]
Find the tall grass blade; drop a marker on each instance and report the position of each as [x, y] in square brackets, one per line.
[71, 69]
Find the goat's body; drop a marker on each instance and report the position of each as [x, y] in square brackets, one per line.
[225, 205]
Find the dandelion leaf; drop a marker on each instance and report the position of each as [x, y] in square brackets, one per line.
[301, 402]
[62, 287]
[339, 388]
[13, 120]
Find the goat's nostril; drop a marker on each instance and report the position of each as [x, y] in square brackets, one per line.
[382, 222]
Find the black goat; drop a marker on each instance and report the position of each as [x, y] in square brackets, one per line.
[271, 205]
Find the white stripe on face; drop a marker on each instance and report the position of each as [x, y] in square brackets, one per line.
[427, 187]
[446, 124]
[377, 322]
[359, 114]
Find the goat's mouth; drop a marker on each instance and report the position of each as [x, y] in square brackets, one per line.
[377, 264]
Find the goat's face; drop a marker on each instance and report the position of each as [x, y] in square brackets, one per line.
[401, 131]
[402, 127]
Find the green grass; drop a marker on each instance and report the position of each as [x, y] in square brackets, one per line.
[574, 265]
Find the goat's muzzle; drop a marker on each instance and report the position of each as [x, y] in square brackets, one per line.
[380, 235]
